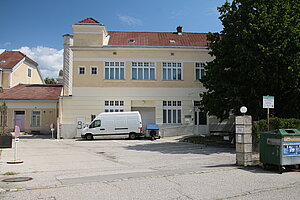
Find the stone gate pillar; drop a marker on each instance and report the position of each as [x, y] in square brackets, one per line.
[243, 140]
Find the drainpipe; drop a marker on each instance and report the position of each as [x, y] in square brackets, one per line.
[1, 77]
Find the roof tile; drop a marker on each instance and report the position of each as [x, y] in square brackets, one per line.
[157, 39]
[32, 92]
[89, 20]
[9, 59]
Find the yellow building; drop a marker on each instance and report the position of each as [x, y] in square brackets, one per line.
[15, 68]
[33, 107]
[156, 73]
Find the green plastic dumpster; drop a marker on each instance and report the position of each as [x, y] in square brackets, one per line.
[280, 147]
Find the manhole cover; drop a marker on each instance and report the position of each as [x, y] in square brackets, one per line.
[17, 179]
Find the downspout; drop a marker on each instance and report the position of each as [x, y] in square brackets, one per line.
[1, 77]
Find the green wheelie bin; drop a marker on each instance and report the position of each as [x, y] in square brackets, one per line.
[280, 147]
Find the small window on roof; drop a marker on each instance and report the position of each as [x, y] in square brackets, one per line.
[2, 61]
[172, 41]
[131, 41]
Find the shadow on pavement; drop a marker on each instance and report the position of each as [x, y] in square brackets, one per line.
[180, 148]
[34, 136]
[257, 169]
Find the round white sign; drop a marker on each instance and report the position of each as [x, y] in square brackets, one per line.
[243, 109]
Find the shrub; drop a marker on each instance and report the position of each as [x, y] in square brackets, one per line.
[275, 123]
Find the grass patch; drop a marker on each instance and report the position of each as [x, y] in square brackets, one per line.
[10, 173]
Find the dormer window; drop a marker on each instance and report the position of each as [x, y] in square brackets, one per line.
[131, 41]
[172, 41]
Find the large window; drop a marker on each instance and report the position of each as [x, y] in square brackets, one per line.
[200, 70]
[36, 118]
[172, 112]
[114, 106]
[142, 71]
[172, 71]
[114, 70]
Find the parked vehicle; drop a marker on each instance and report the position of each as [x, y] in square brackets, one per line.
[115, 123]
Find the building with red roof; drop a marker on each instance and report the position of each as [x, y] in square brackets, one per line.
[16, 68]
[156, 73]
[33, 107]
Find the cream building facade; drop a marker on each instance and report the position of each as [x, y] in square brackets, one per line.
[156, 73]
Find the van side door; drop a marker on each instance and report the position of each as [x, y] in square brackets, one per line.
[95, 127]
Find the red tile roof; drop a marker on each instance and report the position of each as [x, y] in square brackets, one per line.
[89, 20]
[165, 39]
[32, 92]
[9, 59]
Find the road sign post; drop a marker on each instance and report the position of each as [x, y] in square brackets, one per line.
[17, 135]
[268, 102]
[52, 130]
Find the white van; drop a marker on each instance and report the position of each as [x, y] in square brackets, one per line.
[114, 123]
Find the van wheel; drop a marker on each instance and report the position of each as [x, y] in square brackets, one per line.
[89, 137]
[132, 136]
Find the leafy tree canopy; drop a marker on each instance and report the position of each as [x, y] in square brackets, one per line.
[48, 80]
[256, 54]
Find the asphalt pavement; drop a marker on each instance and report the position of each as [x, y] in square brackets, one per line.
[136, 169]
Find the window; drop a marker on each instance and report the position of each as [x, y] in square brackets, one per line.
[200, 70]
[142, 71]
[172, 112]
[131, 41]
[114, 70]
[36, 118]
[114, 106]
[172, 71]
[94, 70]
[81, 70]
[96, 123]
[29, 72]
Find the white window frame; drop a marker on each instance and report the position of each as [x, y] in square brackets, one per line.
[172, 112]
[35, 124]
[113, 66]
[199, 70]
[81, 67]
[29, 72]
[91, 70]
[145, 68]
[114, 106]
[169, 68]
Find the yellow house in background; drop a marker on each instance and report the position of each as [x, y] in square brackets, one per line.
[156, 73]
[31, 104]
[16, 67]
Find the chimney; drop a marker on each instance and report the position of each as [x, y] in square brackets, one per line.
[179, 30]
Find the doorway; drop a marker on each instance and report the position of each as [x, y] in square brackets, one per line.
[20, 120]
[200, 122]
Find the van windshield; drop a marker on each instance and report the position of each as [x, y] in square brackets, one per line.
[96, 123]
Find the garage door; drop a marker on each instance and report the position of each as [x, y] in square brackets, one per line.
[148, 115]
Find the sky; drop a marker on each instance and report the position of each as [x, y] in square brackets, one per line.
[35, 27]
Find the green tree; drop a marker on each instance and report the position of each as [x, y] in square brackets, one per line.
[48, 80]
[256, 54]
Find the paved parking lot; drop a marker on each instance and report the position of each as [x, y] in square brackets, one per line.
[136, 169]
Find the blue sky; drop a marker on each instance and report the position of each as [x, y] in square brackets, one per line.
[36, 26]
